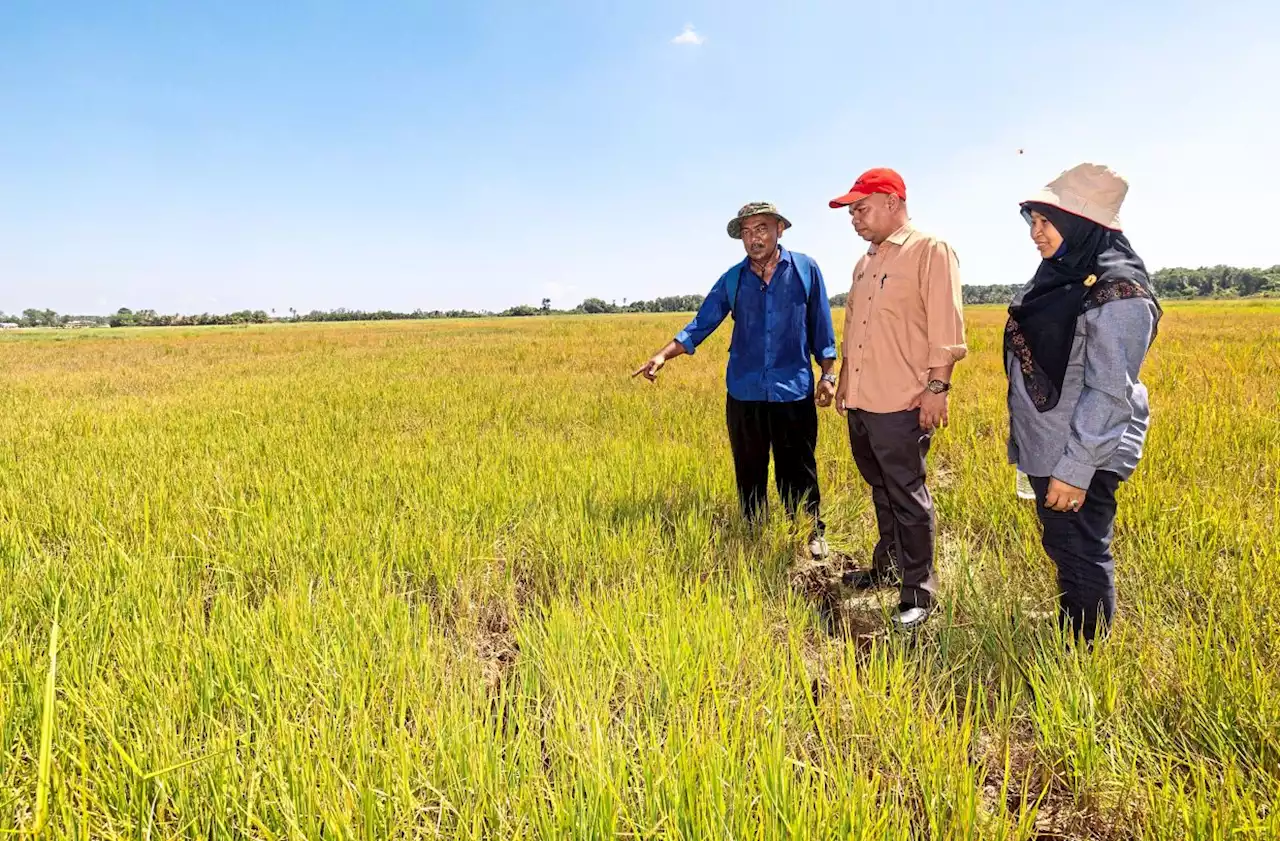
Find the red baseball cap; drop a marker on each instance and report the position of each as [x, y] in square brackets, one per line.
[878, 180]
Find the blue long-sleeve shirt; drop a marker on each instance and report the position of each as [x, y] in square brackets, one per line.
[776, 332]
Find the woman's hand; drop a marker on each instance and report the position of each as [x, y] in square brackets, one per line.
[1064, 497]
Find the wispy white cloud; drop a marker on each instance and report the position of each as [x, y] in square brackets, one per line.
[689, 37]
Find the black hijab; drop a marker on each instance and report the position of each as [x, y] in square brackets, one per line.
[1094, 266]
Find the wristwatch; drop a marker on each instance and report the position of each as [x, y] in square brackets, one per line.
[829, 378]
[938, 386]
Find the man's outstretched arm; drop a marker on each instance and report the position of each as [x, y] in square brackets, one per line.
[714, 310]
[653, 365]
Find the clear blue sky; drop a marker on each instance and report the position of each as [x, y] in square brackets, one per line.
[192, 157]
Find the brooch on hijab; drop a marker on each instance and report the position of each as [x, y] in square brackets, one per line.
[1091, 280]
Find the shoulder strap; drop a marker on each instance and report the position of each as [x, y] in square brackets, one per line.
[804, 267]
[732, 280]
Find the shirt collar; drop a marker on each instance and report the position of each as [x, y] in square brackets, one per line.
[898, 238]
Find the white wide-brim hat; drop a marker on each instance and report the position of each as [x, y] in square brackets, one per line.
[1091, 191]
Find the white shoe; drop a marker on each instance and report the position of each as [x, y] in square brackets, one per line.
[911, 618]
[818, 548]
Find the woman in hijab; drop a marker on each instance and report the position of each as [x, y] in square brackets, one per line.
[1074, 344]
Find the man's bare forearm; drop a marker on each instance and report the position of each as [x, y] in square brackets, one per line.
[672, 350]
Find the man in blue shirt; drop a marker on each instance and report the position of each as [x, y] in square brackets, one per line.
[782, 319]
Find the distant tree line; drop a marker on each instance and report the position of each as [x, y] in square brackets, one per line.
[591, 306]
[996, 293]
[130, 318]
[1216, 282]
[150, 318]
[1208, 282]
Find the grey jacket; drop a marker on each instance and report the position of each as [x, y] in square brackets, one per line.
[1101, 420]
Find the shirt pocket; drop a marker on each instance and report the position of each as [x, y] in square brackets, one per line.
[898, 297]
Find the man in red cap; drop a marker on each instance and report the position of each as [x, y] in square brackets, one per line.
[903, 334]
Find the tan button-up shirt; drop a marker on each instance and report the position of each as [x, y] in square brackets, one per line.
[904, 316]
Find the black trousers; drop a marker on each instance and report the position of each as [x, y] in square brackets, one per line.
[890, 450]
[1079, 544]
[790, 431]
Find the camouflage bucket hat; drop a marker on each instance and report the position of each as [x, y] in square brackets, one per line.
[756, 208]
